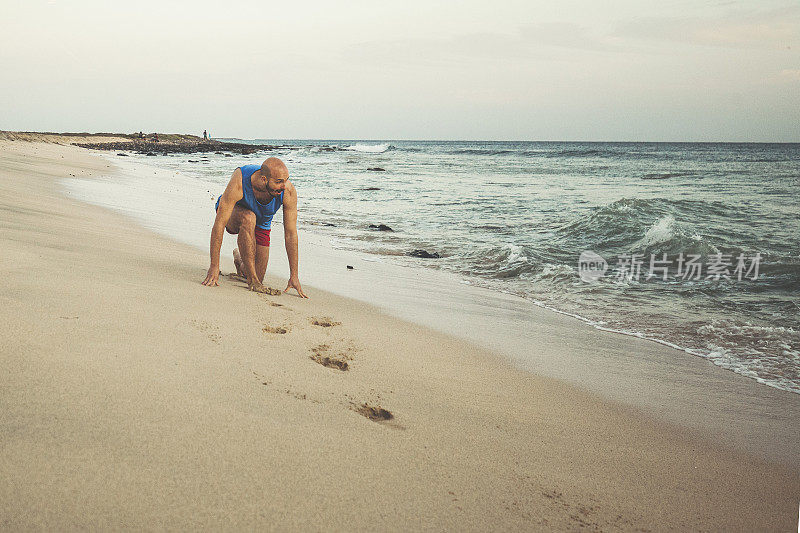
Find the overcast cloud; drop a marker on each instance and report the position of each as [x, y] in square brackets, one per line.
[627, 70]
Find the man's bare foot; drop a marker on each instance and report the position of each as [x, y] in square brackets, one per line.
[258, 287]
[237, 262]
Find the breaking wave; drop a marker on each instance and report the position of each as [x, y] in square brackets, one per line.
[369, 148]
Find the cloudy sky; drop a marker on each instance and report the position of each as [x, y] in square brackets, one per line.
[504, 69]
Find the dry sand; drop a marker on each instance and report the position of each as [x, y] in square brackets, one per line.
[60, 138]
[135, 398]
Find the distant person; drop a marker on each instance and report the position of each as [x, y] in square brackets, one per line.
[253, 195]
[205, 135]
[155, 137]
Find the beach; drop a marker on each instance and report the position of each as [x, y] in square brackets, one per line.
[136, 398]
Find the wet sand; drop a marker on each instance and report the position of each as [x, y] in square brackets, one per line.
[134, 397]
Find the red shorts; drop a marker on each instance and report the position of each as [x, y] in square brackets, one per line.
[262, 236]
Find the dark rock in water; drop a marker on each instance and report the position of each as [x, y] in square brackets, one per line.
[123, 155]
[329, 224]
[424, 254]
[151, 153]
[228, 155]
[380, 227]
[218, 153]
[370, 189]
[193, 161]
[349, 267]
[377, 169]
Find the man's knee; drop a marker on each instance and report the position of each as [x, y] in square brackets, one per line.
[243, 220]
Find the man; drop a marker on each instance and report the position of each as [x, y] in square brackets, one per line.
[253, 195]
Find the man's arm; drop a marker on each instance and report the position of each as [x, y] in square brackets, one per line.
[290, 237]
[233, 193]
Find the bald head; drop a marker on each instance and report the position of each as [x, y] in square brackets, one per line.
[275, 176]
[274, 168]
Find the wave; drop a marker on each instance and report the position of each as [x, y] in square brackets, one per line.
[782, 160]
[496, 261]
[369, 148]
[645, 226]
[606, 153]
[553, 153]
[581, 153]
[661, 232]
[552, 273]
[479, 151]
[667, 175]
[532, 153]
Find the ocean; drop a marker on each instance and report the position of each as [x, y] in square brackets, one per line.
[694, 245]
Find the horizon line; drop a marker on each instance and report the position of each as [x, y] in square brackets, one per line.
[408, 139]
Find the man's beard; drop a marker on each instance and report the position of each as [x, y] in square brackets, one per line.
[272, 192]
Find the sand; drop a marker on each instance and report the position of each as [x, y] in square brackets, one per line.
[65, 139]
[135, 398]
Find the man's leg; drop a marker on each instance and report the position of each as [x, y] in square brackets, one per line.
[262, 258]
[237, 262]
[250, 258]
[247, 248]
[243, 223]
[260, 268]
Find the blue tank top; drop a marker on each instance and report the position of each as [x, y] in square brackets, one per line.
[264, 212]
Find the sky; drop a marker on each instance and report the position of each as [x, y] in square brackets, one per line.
[469, 70]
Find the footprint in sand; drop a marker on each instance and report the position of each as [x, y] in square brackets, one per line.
[267, 290]
[280, 388]
[261, 290]
[324, 321]
[279, 330]
[374, 413]
[211, 330]
[323, 355]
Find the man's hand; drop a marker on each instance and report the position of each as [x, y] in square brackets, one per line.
[294, 283]
[212, 277]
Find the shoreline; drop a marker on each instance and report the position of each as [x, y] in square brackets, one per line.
[132, 401]
[671, 384]
[715, 335]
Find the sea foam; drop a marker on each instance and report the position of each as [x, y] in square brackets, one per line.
[369, 148]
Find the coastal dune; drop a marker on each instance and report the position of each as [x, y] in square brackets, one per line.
[136, 398]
